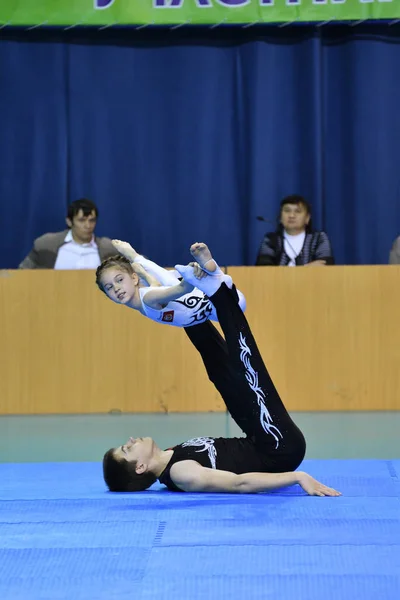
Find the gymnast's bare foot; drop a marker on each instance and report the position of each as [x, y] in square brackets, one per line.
[202, 255]
[125, 249]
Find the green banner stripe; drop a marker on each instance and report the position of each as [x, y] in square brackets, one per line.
[197, 12]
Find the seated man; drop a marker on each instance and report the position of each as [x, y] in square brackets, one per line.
[273, 446]
[74, 248]
[295, 243]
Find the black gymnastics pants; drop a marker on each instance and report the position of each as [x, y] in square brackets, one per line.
[237, 370]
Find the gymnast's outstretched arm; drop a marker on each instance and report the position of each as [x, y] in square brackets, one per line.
[189, 476]
[163, 276]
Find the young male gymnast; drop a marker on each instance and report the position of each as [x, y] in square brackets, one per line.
[158, 294]
[273, 446]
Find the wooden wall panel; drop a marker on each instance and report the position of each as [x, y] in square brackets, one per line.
[330, 337]
[65, 348]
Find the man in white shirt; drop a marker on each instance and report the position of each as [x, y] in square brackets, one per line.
[74, 248]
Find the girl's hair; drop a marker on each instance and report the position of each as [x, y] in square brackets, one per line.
[117, 262]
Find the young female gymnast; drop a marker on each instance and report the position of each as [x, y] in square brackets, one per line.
[159, 294]
[273, 446]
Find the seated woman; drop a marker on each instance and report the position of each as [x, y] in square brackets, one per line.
[294, 243]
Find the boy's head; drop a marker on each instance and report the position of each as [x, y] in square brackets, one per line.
[127, 468]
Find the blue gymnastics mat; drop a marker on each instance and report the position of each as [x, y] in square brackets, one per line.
[63, 536]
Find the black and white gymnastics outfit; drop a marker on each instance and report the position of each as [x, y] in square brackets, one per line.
[188, 310]
[272, 442]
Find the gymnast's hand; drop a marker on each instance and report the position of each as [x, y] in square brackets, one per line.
[314, 487]
[198, 271]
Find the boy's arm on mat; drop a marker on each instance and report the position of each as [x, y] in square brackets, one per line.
[189, 476]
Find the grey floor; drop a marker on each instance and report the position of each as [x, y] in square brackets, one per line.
[86, 437]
